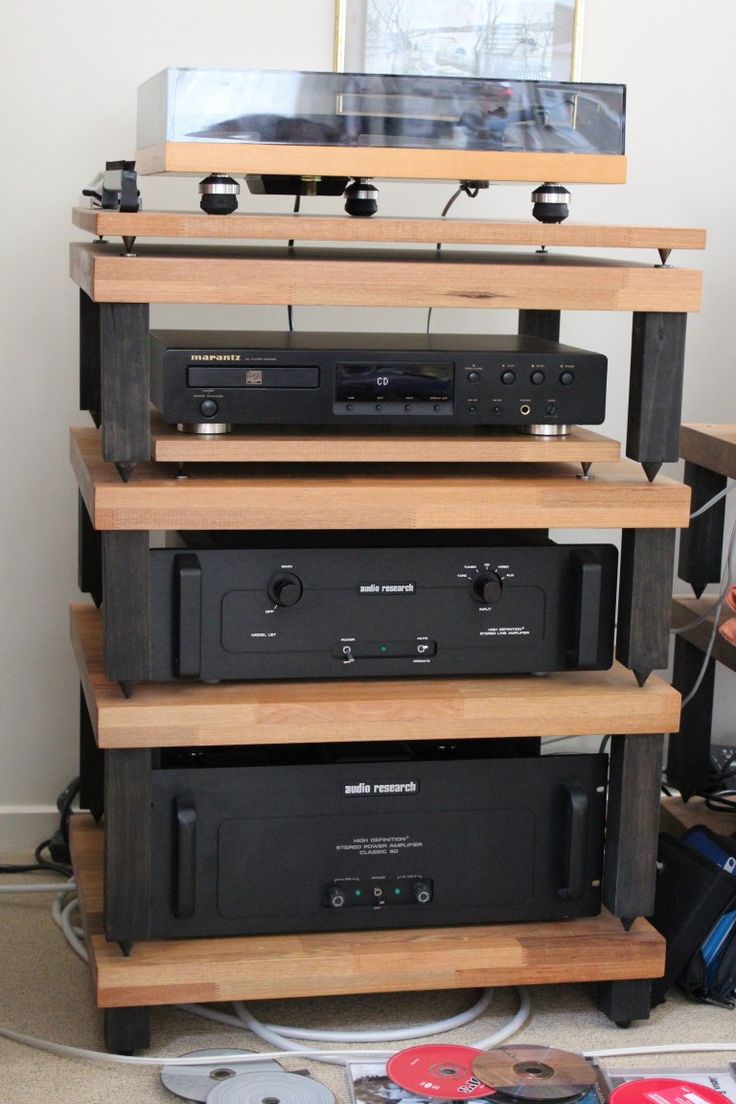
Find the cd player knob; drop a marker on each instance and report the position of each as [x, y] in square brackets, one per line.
[487, 588]
[285, 589]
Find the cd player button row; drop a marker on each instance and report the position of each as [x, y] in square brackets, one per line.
[566, 378]
[537, 377]
[508, 376]
[208, 408]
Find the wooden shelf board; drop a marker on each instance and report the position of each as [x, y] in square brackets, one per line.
[275, 966]
[685, 610]
[297, 445]
[379, 162]
[710, 446]
[194, 714]
[314, 276]
[497, 496]
[243, 226]
[677, 816]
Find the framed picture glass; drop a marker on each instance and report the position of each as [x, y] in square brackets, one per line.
[505, 39]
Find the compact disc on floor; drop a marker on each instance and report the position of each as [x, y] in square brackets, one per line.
[665, 1090]
[195, 1082]
[270, 1088]
[442, 1071]
[534, 1072]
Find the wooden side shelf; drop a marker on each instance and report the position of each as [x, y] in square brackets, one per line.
[685, 610]
[326, 497]
[197, 715]
[710, 446]
[275, 966]
[413, 231]
[311, 276]
[677, 816]
[296, 445]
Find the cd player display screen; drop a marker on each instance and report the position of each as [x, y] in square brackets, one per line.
[393, 382]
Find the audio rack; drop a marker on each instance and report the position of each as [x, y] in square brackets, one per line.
[121, 739]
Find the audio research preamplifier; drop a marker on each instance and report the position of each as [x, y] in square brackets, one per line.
[348, 605]
[208, 382]
[340, 838]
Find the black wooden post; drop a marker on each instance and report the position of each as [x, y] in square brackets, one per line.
[701, 545]
[89, 555]
[89, 357]
[655, 389]
[688, 751]
[632, 825]
[624, 1001]
[540, 323]
[91, 764]
[126, 614]
[124, 360]
[127, 1029]
[644, 601]
[127, 845]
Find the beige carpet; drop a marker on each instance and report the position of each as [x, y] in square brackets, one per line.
[45, 991]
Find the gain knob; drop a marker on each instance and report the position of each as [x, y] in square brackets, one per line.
[487, 588]
[285, 589]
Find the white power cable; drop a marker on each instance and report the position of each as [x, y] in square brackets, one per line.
[712, 501]
[38, 887]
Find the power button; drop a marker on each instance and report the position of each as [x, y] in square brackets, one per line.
[208, 408]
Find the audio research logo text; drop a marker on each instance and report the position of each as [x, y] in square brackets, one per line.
[374, 789]
[387, 588]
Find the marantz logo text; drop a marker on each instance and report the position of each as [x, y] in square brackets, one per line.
[215, 356]
[370, 789]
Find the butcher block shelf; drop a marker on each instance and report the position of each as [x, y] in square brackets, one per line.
[274, 966]
[195, 714]
[498, 496]
[302, 445]
[412, 231]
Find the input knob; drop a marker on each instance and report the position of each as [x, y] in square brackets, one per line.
[487, 588]
[285, 589]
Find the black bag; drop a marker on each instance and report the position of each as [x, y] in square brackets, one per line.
[693, 893]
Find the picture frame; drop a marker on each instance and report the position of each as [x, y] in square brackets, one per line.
[503, 39]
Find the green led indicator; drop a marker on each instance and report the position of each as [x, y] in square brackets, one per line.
[359, 893]
[397, 891]
[383, 648]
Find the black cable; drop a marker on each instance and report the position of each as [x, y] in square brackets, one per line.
[471, 193]
[289, 308]
[60, 840]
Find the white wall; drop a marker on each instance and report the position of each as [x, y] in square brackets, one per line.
[68, 79]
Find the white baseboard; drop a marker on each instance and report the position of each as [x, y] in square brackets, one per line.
[24, 826]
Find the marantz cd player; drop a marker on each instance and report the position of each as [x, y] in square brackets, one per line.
[348, 605]
[208, 382]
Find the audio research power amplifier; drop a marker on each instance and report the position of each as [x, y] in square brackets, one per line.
[207, 382]
[339, 838]
[346, 604]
